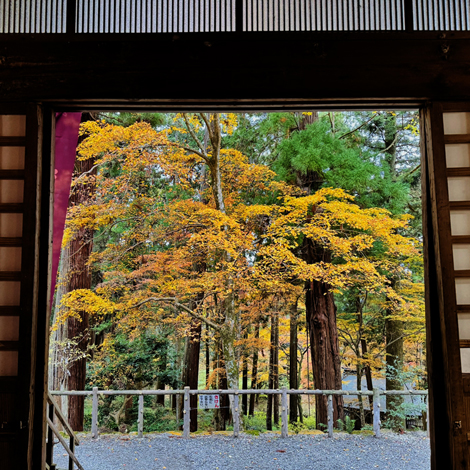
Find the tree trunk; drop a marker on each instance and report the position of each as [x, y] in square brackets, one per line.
[362, 416]
[293, 378]
[191, 369]
[394, 359]
[254, 374]
[79, 277]
[368, 373]
[321, 317]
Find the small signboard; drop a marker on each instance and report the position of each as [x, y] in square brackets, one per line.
[209, 401]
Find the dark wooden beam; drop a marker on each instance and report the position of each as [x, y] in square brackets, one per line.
[342, 69]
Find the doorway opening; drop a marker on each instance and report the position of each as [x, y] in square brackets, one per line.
[170, 241]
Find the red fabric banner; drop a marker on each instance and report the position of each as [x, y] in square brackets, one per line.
[66, 139]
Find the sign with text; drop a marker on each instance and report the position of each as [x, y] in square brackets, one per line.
[209, 401]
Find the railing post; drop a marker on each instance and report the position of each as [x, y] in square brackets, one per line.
[140, 422]
[50, 438]
[186, 413]
[376, 412]
[236, 415]
[284, 413]
[94, 414]
[330, 415]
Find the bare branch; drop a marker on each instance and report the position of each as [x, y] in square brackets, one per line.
[208, 125]
[181, 306]
[189, 149]
[202, 153]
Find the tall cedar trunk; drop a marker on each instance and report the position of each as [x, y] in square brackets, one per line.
[393, 328]
[254, 374]
[394, 358]
[191, 369]
[321, 311]
[321, 316]
[293, 378]
[79, 277]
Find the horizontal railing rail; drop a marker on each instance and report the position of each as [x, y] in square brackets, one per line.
[284, 392]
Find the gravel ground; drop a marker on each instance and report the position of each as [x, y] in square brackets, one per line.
[266, 452]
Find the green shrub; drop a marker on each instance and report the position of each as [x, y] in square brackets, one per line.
[347, 425]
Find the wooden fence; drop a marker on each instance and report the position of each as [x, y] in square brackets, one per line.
[284, 392]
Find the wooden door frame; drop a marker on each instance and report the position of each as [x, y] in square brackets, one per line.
[448, 446]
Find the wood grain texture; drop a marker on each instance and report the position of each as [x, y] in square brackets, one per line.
[445, 437]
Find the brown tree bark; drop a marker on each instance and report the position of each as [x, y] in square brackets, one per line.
[320, 311]
[191, 369]
[79, 278]
[321, 316]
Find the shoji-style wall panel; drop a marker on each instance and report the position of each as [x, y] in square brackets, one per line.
[446, 227]
[20, 345]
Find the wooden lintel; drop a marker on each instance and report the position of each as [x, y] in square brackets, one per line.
[333, 69]
[465, 343]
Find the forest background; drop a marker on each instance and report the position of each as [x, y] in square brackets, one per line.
[213, 250]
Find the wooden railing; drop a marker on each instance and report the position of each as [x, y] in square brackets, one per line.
[284, 392]
[52, 431]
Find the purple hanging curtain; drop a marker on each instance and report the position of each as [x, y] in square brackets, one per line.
[66, 139]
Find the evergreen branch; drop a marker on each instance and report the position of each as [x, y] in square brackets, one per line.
[357, 128]
[181, 306]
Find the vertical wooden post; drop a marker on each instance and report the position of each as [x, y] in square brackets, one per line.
[72, 448]
[236, 415]
[330, 415]
[284, 413]
[186, 411]
[94, 414]
[376, 412]
[140, 422]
